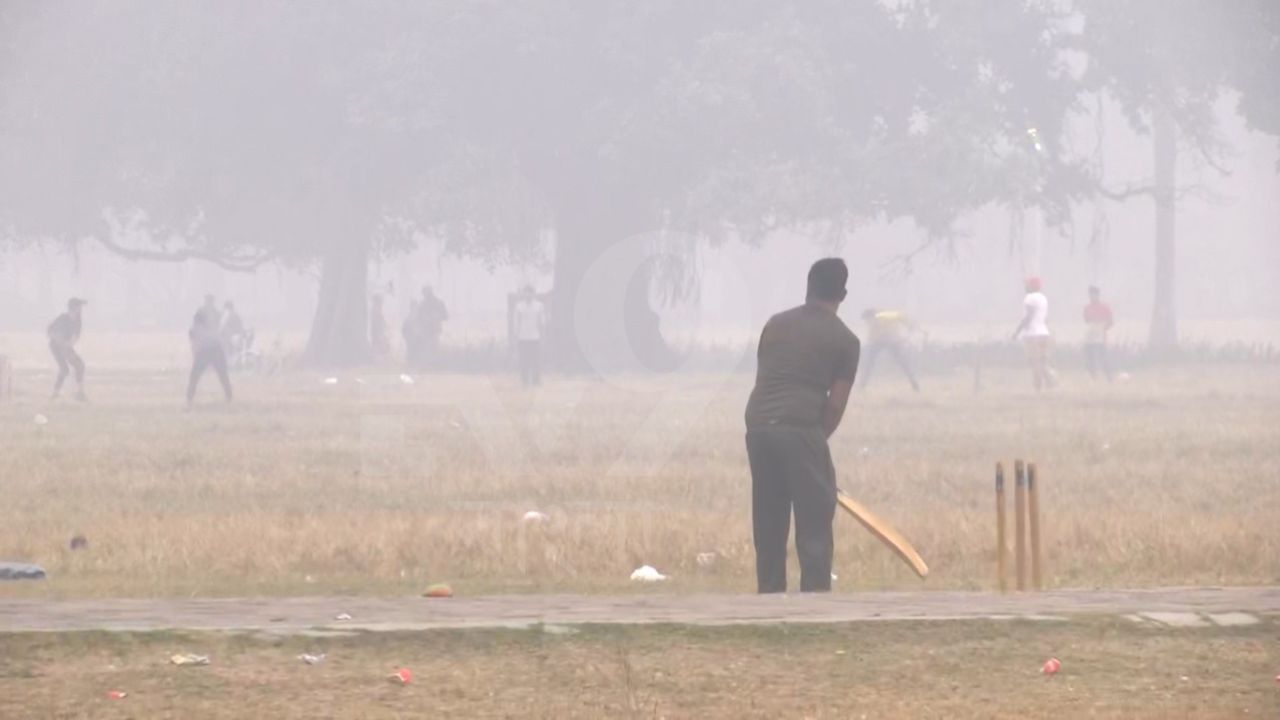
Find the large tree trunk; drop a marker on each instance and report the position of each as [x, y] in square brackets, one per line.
[601, 316]
[1163, 338]
[340, 329]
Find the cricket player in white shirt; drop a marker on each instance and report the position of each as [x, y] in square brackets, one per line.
[1034, 332]
[529, 320]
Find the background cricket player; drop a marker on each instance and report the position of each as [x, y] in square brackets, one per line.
[1034, 332]
[529, 320]
[807, 360]
[206, 348]
[1098, 321]
[64, 332]
[887, 331]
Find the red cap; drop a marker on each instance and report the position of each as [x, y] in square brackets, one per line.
[1033, 283]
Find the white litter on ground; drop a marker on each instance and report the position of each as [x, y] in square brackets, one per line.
[40, 419]
[189, 659]
[646, 573]
[331, 381]
[706, 559]
[535, 516]
[406, 379]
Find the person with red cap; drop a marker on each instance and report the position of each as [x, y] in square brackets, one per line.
[1034, 332]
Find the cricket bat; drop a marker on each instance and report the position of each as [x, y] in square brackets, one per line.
[884, 531]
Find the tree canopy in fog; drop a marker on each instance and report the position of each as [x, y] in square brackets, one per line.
[329, 134]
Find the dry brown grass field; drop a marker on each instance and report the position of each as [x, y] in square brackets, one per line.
[375, 486]
[975, 670]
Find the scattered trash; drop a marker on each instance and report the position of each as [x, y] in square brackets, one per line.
[1185, 678]
[40, 419]
[535, 516]
[406, 379]
[331, 381]
[183, 660]
[20, 571]
[839, 652]
[117, 694]
[309, 580]
[438, 590]
[1051, 667]
[79, 542]
[342, 616]
[310, 659]
[646, 573]
[403, 676]
[834, 577]
[706, 559]
[1106, 446]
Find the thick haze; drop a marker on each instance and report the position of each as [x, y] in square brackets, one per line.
[231, 127]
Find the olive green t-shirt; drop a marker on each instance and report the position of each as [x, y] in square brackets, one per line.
[802, 352]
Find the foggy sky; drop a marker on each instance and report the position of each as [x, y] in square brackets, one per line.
[1229, 262]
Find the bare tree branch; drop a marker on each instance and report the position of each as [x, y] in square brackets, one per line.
[232, 262]
[1131, 191]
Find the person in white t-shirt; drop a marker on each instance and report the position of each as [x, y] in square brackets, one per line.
[528, 322]
[1034, 332]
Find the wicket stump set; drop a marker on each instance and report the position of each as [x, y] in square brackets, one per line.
[1026, 523]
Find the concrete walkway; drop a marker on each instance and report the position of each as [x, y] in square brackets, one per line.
[1172, 606]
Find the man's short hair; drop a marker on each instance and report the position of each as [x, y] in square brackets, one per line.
[827, 279]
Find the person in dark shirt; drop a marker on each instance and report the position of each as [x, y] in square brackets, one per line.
[236, 338]
[64, 332]
[206, 348]
[806, 364]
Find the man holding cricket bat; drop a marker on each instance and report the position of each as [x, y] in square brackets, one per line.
[806, 363]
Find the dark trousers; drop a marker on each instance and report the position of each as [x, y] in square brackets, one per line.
[202, 359]
[899, 353]
[791, 468]
[67, 359]
[1095, 358]
[530, 362]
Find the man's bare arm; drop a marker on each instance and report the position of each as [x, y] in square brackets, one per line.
[837, 401]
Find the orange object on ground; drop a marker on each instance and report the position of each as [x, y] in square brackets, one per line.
[438, 590]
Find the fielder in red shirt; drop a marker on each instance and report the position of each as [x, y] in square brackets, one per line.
[1098, 321]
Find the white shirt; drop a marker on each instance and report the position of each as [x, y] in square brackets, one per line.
[1037, 305]
[528, 319]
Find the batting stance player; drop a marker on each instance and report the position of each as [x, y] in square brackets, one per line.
[806, 363]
